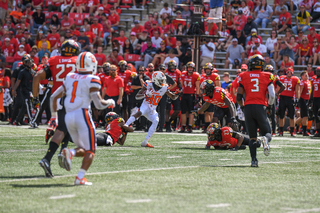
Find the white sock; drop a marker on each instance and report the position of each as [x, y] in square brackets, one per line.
[81, 173]
[130, 120]
[152, 129]
[73, 152]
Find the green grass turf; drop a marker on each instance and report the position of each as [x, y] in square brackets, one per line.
[178, 175]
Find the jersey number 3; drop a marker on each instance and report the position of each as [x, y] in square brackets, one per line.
[64, 68]
[255, 85]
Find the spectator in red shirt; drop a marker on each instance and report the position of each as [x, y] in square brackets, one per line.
[28, 13]
[53, 38]
[170, 41]
[91, 6]
[91, 36]
[175, 22]
[33, 55]
[23, 20]
[106, 7]
[154, 28]
[148, 24]
[7, 48]
[55, 5]
[114, 18]
[121, 39]
[18, 56]
[13, 41]
[304, 50]
[114, 57]
[97, 30]
[74, 31]
[66, 22]
[286, 63]
[284, 20]
[101, 58]
[37, 3]
[106, 24]
[242, 19]
[66, 6]
[3, 10]
[19, 34]
[137, 28]
[27, 47]
[79, 6]
[312, 35]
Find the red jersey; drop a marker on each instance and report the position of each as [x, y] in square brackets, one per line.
[121, 40]
[315, 83]
[176, 75]
[290, 84]
[305, 94]
[234, 84]
[149, 74]
[102, 76]
[90, 36]
[189, 82]
[8, 50]
[53, 38]
[218, 97]
[114, 130]
[113, 85]
[284, 17]
[287, 64]
[304, 49]
[255, 84]
[60, 66]
[228, 139]
[96, 29]
[101, 58]
[126, 77]
[214, 77]
[138, 29]
[113, 18]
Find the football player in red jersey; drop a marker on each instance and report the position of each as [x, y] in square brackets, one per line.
[255, 84]
[190, 81]
[209, 74]
[175, 74]
[116, 131]
[286, 100]
[222, 100]
[315, 96]
[276, 83]
[305, 88]
[58, 68]
[127, 99]
[105, 73]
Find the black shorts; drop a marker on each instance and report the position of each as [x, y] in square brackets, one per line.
[211, 108]
[187, 103]
[102, 138]
[61, 124]
[286, 102]
[316, 108]
[221, 112]
[303, 108]
[176, 104]
[256, 117]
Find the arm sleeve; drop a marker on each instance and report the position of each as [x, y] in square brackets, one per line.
[96, 100]
[169, 79]
[47, 71]
[271, 94]
[95, 83]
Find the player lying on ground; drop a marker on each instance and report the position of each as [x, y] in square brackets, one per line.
[116, 131]
[226, 138]
[79, 90]
[151, 93]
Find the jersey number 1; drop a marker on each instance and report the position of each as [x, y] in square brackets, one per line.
[255, 85]
[74, 90]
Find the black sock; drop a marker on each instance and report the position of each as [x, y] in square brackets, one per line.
[304, 129]
[318, 130]
[206, 124]
[291, 129]
[297, 128]
[281, 129]
[52, 149]
[168, 125]
[253, 149]
[64, 143]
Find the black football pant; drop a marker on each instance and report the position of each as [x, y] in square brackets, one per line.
[162, 111]
[25, 108]
[18, 101]
[44, 106]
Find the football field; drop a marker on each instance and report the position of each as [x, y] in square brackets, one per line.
[178, 175]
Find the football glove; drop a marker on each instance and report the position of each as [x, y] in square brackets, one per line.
[269, 110]
[36, 103]
[234, 124]
[148, 94]
[234, 149]
[296, 103]
[195, 113]
[53, 123]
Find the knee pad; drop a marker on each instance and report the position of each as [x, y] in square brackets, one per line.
[269, 137]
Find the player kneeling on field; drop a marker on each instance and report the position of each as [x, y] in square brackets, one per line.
[226, 138]
[116, 131]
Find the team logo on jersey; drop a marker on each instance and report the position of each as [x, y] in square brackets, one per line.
[271, 78]
[120, 120]
[198, 79]
[223, 95]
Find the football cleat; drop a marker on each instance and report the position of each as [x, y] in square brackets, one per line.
[46, 167]
[60, 161]
[273, 134]
[280, 134]
[183, 129]
[49, 134]
[66, 158]
[306, 134]
[316, 135]
[148, 145]
[82, 182]
[207, 147]
[293, 134]
[254, 163]
[266, 147]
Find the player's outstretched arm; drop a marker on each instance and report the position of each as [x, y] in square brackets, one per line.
[98, 101]
[272, 94]
[282, 87]
[140, 95]
[171, 95]
[240, 93]
[240, 139]
[204, 107]
[41, 75]
[125, 127]
[231, 106]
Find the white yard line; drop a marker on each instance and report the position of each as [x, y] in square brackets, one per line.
[174, 157]
[219, 205]
[291, 210]
[62, 197]
[139, 201]
[155, 169]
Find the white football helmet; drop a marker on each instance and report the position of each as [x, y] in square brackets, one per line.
[158, 78]
[87, 62]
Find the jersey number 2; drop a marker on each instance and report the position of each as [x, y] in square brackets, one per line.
[255, 85]
[63, 68]
[74, 90]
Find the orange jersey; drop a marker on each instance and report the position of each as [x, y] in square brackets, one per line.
[228, 139]
[315, 83]
[255, 84]
[114, 130]
[176, 75]
[126, 77]
[214, 77]
[218, 97]
[290, 84]
[60, 66]
[189, 82]
[305, 94]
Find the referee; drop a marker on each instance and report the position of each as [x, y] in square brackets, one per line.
[25, 79]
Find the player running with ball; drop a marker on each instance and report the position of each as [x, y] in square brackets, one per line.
[151, 93]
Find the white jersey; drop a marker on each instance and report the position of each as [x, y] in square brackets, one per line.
[78, 90]
[153, 101]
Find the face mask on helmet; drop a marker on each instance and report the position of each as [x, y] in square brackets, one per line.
[28, 63]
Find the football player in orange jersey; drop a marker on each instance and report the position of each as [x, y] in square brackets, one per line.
[255, 84]
[116, 131]
[190, 81]
[286, 100]
[315, 98]
[58, 68]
